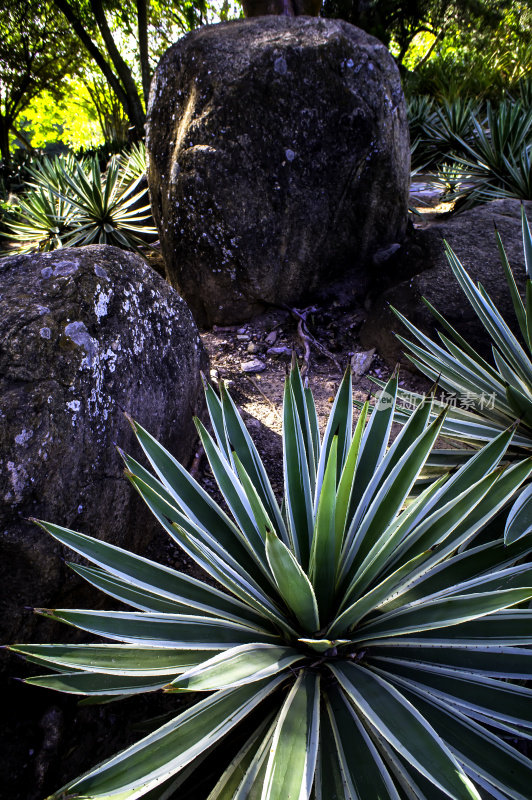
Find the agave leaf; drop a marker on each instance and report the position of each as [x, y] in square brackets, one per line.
[519, 308]
[241, 442]
[490, 318]
[391, 494]
[484, 366]
[502, 628]
[243, 588]
[141, 599]
[325, 546]
[331, 779]
[519, 522]
[236, 667]
[483, 752]
[214, 406]
[159, 630]
[188, 494]
[170, 748]
[441, 613]
[465, 515]
[494, 698]
[112, 659]
[528, 299]
[345, 485]
[226, 545]
[460, 567]
[89, 683]
[520, 403]
[380, 555]
[453, 372]
[302, 411]
[390, 586]
[292, 760]
[253, 782]
[401, 724]
[511, 377]
[407, 778]
[493, 660]
[292, 583]
[339, 426]
[296, 480]
[366, 775]
[323, 645]
[313, 423]
[260, 514]
[141, 573]
[233, 781]
[234, 495]
[373, 447]
[527, 243]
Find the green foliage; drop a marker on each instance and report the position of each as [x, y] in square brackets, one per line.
[476, 61]
[71, 203]
[496, 162]
[499, 395]
[134, 162]
[440, 131]
[37, 51]
[378, 644]
[475, 156]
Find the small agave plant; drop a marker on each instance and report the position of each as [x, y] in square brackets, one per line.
[381, 642]
[498, 394]
[72, 204]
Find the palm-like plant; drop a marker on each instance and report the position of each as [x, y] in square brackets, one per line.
[71, 204]
[106, 210]
[378, 642]
[134, 163]
[491, 396]
[497, 162]
[42, 220]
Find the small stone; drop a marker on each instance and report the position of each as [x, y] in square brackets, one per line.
[255, 365]
[253, 347]
[278, 351]
[361, 362]
[271, 337]
[243, 337]
[242, 330]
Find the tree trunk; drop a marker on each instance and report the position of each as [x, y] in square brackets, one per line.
[134, 111]
[20, 136]
[4, 141]
[126, 92]
[142, 26]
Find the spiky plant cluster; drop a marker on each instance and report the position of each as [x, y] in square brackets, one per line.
[380, 638]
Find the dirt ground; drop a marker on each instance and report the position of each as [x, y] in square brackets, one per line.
[269, 341]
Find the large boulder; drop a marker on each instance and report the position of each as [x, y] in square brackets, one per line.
[422, 270]
[278, 160]
[85, 335]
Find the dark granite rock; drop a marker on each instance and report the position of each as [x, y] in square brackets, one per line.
[85, 334]
[278, 161]
[423, 271]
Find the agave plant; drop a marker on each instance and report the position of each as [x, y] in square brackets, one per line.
[134, 163]
[41, 221]
[378, 642]
[497, 162]
[107, 212]
[71, 203]
[50, 173]
[492, 396]
[451, 126]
